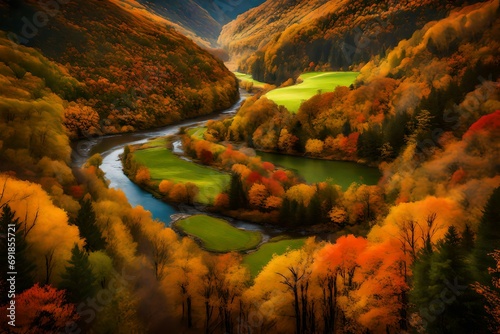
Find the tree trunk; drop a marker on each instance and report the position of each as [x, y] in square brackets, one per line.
[207, 316]
[297, 310]
[303, 293]
[189, 315]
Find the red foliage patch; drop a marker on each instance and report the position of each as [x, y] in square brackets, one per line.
[487, 123]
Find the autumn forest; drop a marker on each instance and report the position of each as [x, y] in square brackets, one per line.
[263, 166]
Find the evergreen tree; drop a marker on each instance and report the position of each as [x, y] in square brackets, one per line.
[442, 292]
[467, 239]
[313, 211]
[370, 142]
[78, 280]
[87, 224]
[421, 269]
[346, 128]
[488, 239]
[21, 265]
[237, 195]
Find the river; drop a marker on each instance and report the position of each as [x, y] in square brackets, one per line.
[342, 173]
[110, 147]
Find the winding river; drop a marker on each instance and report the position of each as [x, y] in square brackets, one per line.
[110, 147]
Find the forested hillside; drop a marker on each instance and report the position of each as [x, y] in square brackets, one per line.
[415, 251]
[136, 71]
[427, 82]
[204, 18]
[282, 38]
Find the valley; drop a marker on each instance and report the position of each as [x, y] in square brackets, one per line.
[273, 166]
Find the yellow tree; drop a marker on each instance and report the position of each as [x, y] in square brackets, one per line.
[142, 176]
[314, 146]
[257, 195]
[282, 290]
[231, 278]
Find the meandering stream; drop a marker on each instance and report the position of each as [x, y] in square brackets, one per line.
[110, 147]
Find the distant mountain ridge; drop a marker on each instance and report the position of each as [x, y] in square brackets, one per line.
[204, 18]
[281, 38]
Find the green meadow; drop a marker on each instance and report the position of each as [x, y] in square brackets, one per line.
[258, 259]
[218, 235]
[313, 82]
[248, 77]
[197, 132]
[164, 165]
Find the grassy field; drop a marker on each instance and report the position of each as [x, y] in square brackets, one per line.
[258, 259]
[292, 97]
[164, 165]
[248, 77]
[197, 132]
[218, 235]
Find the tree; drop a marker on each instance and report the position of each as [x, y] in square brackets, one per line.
[488, 238]
[468, 239]
[257, 195]
[87, 224]
[165, 186]
[78, 280]
[492, 295]
[142, 176]
[441, 290]
[222, 201]
[21, 265]
[41, 310]
[338, 216]
[191, 191]
[179, 193]
[160, 256]
[314, 146]
[237, 195]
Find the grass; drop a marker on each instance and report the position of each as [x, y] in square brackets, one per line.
[197, 132]
[258, 259]
[164, 165]
[218, 235]
[292, 97]
[248, 77]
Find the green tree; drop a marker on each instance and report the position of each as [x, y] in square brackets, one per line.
[442, 292]
[78, 280]
[237, 195]
[488, 239]
[467, 239]
[87, 224]
[370, 142]
[21, 265]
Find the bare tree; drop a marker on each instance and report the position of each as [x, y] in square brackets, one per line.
[293, 285]
[49, 265]
[207, 291]
[409, 234]
[160, 256]
[29, 226]
[432, 229]
[186, 296]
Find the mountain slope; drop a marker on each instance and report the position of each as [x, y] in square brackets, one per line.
[138, 72]
[428, 89]
[202, 18]
[188, 15]
[282, 38]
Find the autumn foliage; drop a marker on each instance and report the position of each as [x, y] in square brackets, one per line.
[41, 309]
